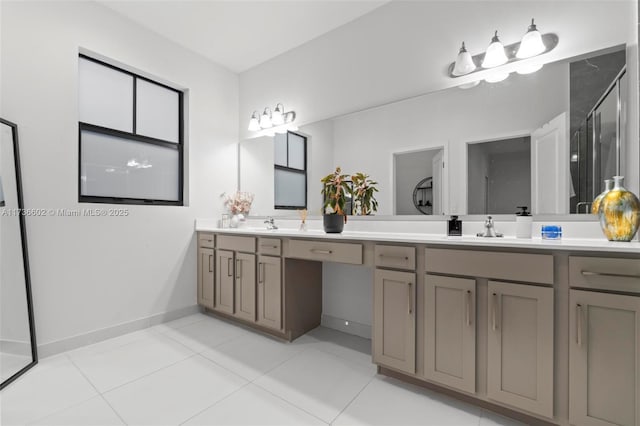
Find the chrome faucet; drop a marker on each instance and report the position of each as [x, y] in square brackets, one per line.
[271, 224]
[489, 230]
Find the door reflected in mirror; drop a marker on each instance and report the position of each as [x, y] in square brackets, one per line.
[499, 176]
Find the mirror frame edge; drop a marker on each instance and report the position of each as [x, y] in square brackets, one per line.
[25, 258]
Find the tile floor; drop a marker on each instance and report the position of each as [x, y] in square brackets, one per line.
[199, 370]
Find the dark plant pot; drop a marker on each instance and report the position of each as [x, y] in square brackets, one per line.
[333, 223]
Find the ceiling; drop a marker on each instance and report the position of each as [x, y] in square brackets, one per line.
[240, 34]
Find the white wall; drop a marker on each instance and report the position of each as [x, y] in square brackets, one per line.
[90, 273]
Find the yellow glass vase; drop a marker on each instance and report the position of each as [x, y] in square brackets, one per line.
[619, 212]
[608, 186]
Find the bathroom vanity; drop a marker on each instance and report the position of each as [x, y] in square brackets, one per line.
[545, 331]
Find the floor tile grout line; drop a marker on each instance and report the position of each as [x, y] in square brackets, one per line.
[149, 373]
[216, 403]
[74, 404]
[113, 409]
[289, 402]
[353, 399]
[69, 353]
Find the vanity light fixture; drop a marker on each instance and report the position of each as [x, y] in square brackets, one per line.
[277, 118]
[265, 120]
[464, 62]
[254, 122]
[278, 121]
[495, 55]
[533, 44]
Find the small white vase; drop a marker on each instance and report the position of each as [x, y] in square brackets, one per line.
[237, 221]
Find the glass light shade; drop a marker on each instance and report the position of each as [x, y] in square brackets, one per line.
[277, 117]
[529, 69]
[495, 55]
[265, 120]
[464, 62]
[254, 123]
[531, 44]
[497, 77]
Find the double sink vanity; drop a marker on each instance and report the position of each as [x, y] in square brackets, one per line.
[545, 331]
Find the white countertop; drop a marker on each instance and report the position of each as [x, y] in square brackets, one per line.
[573, 244]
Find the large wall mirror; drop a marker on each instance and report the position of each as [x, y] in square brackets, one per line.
[545, 140]
[17, 336]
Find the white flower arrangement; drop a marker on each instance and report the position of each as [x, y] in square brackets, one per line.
[239, 202]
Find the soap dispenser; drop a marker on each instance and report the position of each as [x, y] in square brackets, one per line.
[524, 221]
[455, 227]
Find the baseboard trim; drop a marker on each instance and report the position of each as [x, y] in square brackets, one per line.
[15, 347]
[346, 326]
[74, 342]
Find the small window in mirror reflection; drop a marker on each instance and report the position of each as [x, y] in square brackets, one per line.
[290, 174]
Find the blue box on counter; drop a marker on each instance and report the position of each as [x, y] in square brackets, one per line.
[551, 232]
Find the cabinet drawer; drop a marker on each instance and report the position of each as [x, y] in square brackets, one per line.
[205, 240]
[232, 242]
[395, 257]
[326, 251]
[605, 273]
[272, 246]
[537, 268]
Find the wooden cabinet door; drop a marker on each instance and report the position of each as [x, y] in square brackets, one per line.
[245, 272]
[270, 292]
[224, 281]
[394, 323]
[520, 346]
[206, 277]
[450, 331]
[604, 355]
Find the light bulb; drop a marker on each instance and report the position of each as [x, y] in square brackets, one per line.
[254, 123]
[277, 117]
[531, 44]
[464, 62]
[495, 55]
[265, 120]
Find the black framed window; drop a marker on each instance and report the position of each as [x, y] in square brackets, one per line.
[130, 135]
[290, 171]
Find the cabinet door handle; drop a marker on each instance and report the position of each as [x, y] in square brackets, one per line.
[260, 272]
[608, 274]
[210, 263]
[394, 257]
[579, 324]
[268, 246]
[318, 251]
[468, 306]
[409, 299]
[229, 266]
[494, 312]
[238, 268]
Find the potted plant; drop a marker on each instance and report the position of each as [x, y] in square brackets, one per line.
[363, 194]
[335, 190]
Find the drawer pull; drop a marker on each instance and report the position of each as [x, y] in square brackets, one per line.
[468, 306]
[238, 268]
[268, 246]
[579, 324]
[608, 274]
[395, 257]
[494, 312]
[409, 299]
[318, 251]
[229, 266]
[260, 272]
[210, 263]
